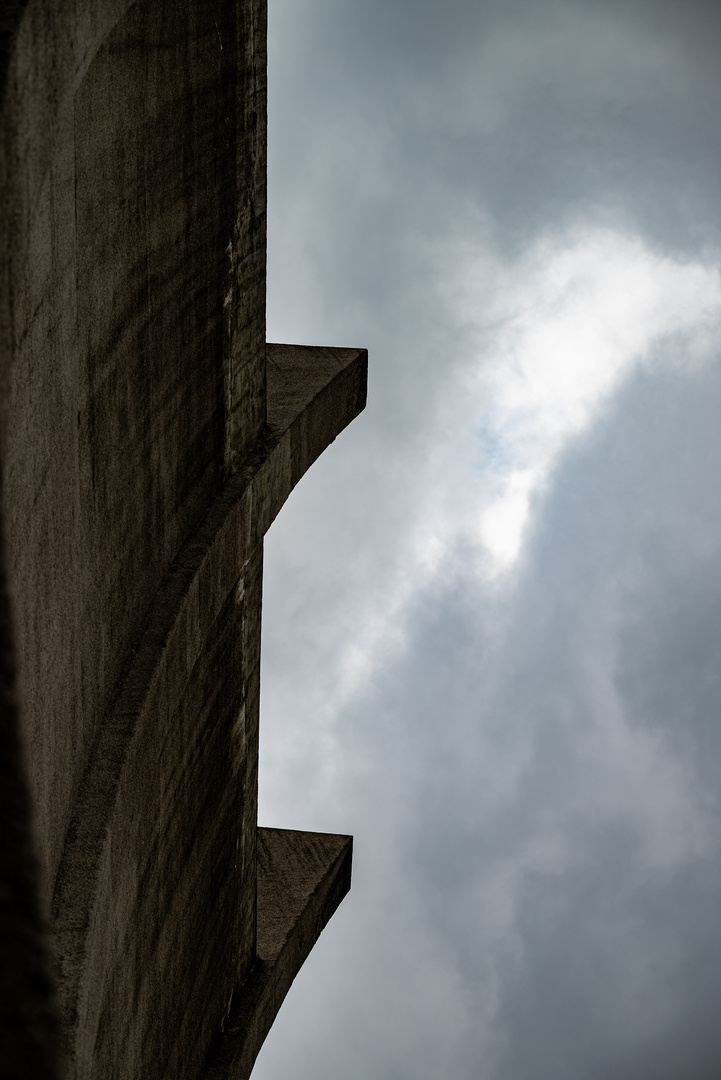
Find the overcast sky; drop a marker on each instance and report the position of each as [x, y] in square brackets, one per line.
[492, 613]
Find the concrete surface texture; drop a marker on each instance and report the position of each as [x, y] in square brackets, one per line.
[147, 440]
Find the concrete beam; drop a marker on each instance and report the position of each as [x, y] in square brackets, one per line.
[136, 831]
[302, 878]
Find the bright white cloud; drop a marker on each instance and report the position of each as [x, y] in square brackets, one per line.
[549, 339]
[575, 318]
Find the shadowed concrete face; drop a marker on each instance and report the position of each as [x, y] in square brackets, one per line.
[145, 452]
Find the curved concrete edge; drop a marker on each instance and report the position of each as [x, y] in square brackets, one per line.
[302, 878]
[318, 394]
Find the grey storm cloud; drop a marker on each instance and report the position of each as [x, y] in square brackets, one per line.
[515, 207]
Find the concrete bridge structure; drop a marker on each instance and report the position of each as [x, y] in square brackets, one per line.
[148, 438]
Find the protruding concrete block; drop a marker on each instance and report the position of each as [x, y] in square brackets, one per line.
[302, 878]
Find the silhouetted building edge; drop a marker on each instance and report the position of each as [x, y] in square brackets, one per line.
[148, 437]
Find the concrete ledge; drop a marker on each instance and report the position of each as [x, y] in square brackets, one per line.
[110, 862]
[302, 878]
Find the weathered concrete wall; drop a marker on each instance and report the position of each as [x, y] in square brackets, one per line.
[142, 459]
[162, 841]
[28, 1023]
[138, 269]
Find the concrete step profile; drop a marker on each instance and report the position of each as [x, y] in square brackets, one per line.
[302, 878]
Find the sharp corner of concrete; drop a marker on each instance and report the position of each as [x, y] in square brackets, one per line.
[302, 878]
